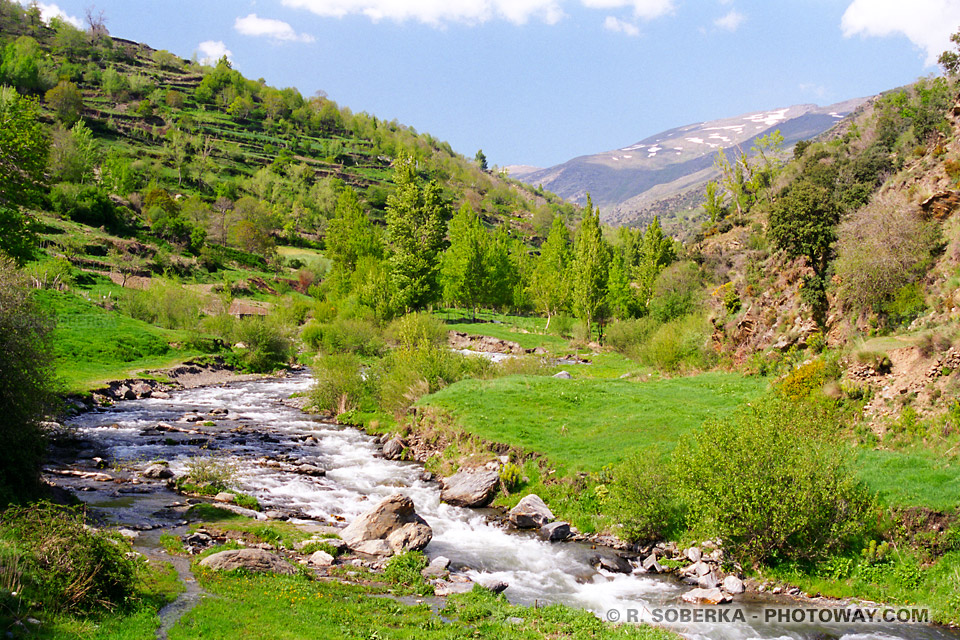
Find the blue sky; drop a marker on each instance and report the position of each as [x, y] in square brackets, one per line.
[541, 81]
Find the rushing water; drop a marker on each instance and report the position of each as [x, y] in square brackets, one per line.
[258, 424]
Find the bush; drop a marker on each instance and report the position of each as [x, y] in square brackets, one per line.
[64, 566]
[267, 345]
[773, 483]
[164, 303]
[414, 329]
[679, 344]
[882, 248]
[626, 336]
[344, 336]
[406, 374]
[339, 384]
[215, 471]
[86, 205]
[906, 305]
[643, 499]
[676, 292]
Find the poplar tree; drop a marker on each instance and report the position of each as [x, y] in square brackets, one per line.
[350, 237]
[590, 271]
[550, 282]
[416, 225]
[463, 269]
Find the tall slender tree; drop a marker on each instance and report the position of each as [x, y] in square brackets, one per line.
[550, 282]
[463, 270]
[416, 225]
[590, 270]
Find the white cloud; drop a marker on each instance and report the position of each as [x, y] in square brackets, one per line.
[644, 9]
[256, 26]
[926, 23]
[212, 50]
[731, 21]
[437, 12]
[620, 26]
[48, 11]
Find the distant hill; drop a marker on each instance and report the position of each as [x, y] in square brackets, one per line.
[665, 173]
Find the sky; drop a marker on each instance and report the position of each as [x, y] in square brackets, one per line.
[539, 82]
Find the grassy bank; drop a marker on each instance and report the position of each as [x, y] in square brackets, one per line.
[586, 424]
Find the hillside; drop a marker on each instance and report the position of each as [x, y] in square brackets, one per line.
[664, 174]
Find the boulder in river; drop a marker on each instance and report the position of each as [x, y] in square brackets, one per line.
[733, 585]
[157, 472]
[612, 563]
[392, 526]
[530, 513]
[393, 449]
[320, 558]
[555, 531]
[438, 567]
[706, 596]
[470, 488]
[256, 560]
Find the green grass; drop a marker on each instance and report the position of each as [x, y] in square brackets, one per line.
[527, 331]
[911, 479]
[93, 345]
[262, 607]
[585, 424]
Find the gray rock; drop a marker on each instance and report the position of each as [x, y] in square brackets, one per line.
[497, 586]
[614, 564]
[157, 472]
[530, 513]
[563, 375]
[706, 596]
[733, 585]
[226, 496]
[555, 531]
[320, 559]
[160, 395]
[393, 449]
[392, 522]
[444, 588]
[708, 581]
[650, 564]
[470, 488]
[437, 567]
[311, 470]
[694, 554]
[255, 560]
[142, 390]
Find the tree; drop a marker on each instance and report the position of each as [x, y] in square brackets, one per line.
[416, 225]
[501, 273]
[803, 223]
[23, 158]
[253, 224]
[350, 237]
[589, 270]
[20, 64]
[620, 298]
[66, 101]
[549, 282]
[73, 154]
[26, 366]
[463, 268]
[950, 60]
[654, 253]
[481, 159]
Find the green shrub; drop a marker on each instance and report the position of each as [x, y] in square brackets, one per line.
[562, 325]
[406, 374]
[643, 499]
[216, 471]
[511, 475]
[350, 335]
[267, 345]
[773, 484]
[626, 336]
[86, 205]
[164, 303]
[64, 566]
[339, 385]
[906, 305]
[404, 570]
[415, 328]
[679, 344]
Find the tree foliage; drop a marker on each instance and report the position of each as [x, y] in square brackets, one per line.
[550, 281]
[416, 225]
[589, 271]
[464, 264]
[23, 158]
[26, 386]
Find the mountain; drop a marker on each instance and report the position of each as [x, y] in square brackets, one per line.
[665, 173]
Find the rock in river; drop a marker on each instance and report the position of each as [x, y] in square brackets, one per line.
[470, 488]
[391, 526]
[530, 513]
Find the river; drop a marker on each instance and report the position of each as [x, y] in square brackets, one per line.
[258, 424]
